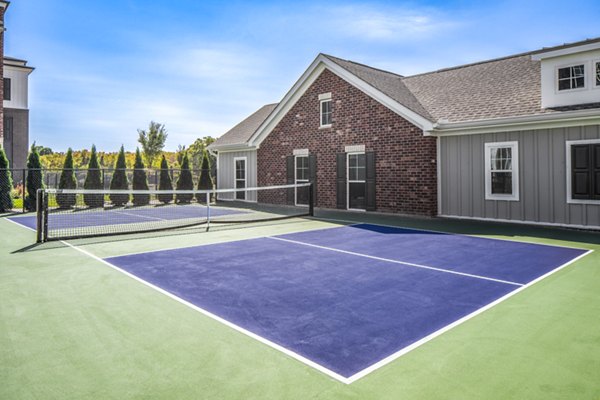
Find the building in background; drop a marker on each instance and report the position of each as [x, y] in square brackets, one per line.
[14, 110]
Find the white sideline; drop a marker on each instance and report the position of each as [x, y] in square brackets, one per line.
[448, 271]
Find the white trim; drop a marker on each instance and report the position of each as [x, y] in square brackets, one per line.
[307, 79]
[235, 160]
[568, 145]
[585, 66]
[348, 154]
[524, 122]
[233, 149]
[321, 102]
[300, 152]
[595, 64]
[438, 157]
[358, 148]
[514, 146]
[524, 222]
[566, 51]
[325, 96]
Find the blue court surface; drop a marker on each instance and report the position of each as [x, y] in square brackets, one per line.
[347, 297]
[110, 216]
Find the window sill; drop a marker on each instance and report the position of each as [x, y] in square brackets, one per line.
[578, 201]
[501, 198]
[325, 126]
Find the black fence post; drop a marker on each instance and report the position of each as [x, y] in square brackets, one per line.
[40, 214]
[311, 200]
[23, 187]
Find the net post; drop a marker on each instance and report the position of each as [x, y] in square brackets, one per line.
[40, 215]
[45, 213]
[311, 200]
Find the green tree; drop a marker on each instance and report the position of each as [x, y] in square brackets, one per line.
[181, 150]
[206, 180]
[140, 180]
[93, 181]
[6, 203]
[185, 181]
[196, 150]
[67, 181]
[44, 151]
[152, 141]
[119, 180]
[165, 182]
[35, 179]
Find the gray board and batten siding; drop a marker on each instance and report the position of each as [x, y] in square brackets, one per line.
[226, 172]
[542, 178]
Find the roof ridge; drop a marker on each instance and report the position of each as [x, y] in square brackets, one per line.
[364, 65]
[526, 53]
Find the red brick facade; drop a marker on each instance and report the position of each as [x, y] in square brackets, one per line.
[406, 171]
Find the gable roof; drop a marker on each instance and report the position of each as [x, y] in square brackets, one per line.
[240, 133]
[500, 92]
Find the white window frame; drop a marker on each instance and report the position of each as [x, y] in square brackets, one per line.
[364, 181]
[595, 63]
[296, 180]
[324, 97]
[574, 64]
[570, 143]
[515, 171]
[235, 160]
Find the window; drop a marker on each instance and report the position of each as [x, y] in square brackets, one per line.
[357, 172]
[325, 113]
[502, 171]
[572, 77]
[583, 162]
[302, 176]
[597, 73]
[240, 177]
[7, 88]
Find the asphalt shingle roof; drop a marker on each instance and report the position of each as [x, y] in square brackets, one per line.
[244, 130]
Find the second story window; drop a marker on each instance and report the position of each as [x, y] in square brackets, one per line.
[7, 88]
[325, 110]
[572, 77]
[597, 73]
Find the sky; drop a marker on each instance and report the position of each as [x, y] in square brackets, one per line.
[104, 69]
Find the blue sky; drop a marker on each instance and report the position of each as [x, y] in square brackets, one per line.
[106, 68]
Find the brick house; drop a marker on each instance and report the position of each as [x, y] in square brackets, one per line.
[513, 139]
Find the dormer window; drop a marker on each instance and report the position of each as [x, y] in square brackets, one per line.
[325, 110]
[572, 77]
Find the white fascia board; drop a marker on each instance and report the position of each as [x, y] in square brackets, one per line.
[225, 148]
[527, 122]
[308, 78]
[566, 51]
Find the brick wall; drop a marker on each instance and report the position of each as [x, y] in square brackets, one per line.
[406, 169]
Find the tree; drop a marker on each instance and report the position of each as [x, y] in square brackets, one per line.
[152, 141]
[206, 181]
[35, 179]
[165, 182]
[67, 181]
[185, 181]
[93, 181]
[6, 203]
[196, 150]
[43, 151]
[181, 150]
[140, 180]
[119, 180]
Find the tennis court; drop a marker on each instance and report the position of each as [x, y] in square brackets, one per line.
[337, 305]
[345, 299]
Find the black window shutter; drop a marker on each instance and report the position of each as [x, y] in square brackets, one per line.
[370, 181]
[596, 171]
[341, 180]
[312, 174]
[291, 178]
[7, 88]
[581, 172]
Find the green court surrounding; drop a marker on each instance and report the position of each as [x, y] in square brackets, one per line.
[73, 328]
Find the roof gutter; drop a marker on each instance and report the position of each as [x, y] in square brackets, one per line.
[539, 121]
[230, 147]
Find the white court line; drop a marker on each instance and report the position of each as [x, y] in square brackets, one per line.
[398, 262]
[18, 224]
[261, 339]
[137, 215]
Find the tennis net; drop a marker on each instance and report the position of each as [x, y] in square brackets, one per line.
[78, 213]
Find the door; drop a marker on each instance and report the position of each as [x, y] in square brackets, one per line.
[301, 169]
[240, 177]
[356, 181]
